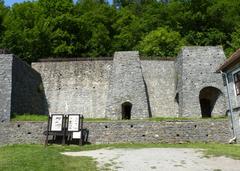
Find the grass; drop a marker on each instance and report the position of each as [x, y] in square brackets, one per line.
[29, 117]
[35, 117]
[36, 157]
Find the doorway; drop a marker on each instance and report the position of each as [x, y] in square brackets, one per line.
[207, 98]
[126, 110]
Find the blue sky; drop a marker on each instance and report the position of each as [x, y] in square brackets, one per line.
[10, 2]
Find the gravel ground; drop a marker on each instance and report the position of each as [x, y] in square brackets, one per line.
[156, 159]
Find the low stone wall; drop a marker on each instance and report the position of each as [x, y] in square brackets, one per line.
[126, 131]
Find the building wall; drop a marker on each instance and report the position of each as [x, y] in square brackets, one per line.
[198, 65]
[126, 84]
[235, 101]
[126, 132]
[5, 86]
[234, 98]
[76, 86]
[28, 95]
[160, 76]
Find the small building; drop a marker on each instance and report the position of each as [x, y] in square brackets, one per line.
[230, 70]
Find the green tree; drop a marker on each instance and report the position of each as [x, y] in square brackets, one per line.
[128, 30]
[234, 44]
[22, 36]
[3, 12]
[97, 20]
[209, 37]
[162, 42]
[54, 8]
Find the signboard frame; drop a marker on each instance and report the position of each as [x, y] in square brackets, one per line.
[53, 125]
[78, 120]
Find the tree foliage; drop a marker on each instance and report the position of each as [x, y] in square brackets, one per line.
[62, 28]
[161, 42]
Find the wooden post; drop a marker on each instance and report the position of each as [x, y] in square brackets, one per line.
[46, 140]
[64, 129]
[81, 138]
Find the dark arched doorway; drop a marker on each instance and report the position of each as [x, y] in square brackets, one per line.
[126, 110]
[207, 98]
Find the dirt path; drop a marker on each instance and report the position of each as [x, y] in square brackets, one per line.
[156, 159]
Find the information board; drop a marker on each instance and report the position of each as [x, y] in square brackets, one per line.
[73, 123]
[77, 135]
[57, 122]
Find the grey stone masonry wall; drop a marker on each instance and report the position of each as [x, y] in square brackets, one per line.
[20, 88]
[127, 85]
[76, 86]
[196, 68]
[22, 132]
[28, 95]
[179, 82]
[160, 83]
[5, 86]
[126, 132]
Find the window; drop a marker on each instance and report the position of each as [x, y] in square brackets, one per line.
[236, 77]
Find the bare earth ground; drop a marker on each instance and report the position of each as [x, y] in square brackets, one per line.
[154, 159]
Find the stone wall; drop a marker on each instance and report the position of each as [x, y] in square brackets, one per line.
[76, 86]
[98, 89]
[20, 88]
[5, 86]
[127, 85]
[122, 132]
[160, 76]
[198, 67]
[28, 95]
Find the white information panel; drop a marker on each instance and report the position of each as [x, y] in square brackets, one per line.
[57, 121]
[73, 123]
[76, 135]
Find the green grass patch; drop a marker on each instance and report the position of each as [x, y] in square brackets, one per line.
[159, 119]
[29, 117]
[97, 120]
[35, 117]
[38, 158]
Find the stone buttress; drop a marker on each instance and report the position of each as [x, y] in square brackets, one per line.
[127, 86]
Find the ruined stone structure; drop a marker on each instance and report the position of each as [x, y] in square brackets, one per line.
[127, 90]
[21, 89]
[123, 88]
[199, 88]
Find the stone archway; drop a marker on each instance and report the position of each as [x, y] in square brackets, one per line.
[126, 110]
[208, 97]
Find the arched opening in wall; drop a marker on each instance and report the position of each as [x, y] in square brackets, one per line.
[126, 110]
[207, 98]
